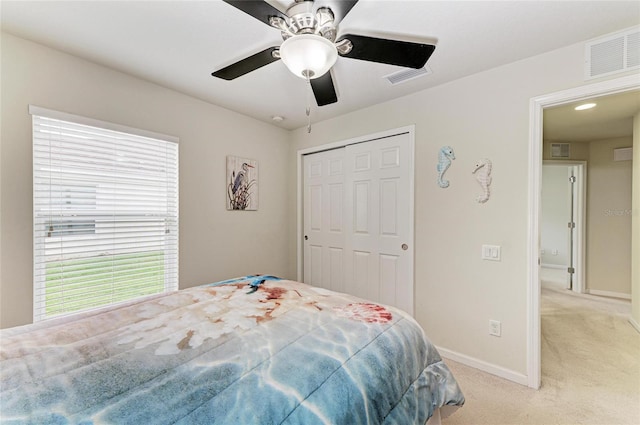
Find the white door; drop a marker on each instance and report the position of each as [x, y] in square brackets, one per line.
[379, 248]
[370, 254]
[562, 224]
[324, 219]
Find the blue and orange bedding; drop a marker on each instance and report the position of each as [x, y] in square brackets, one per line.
[246, 351]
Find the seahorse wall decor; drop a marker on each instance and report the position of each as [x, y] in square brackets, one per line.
[482, 171]
[444, 162]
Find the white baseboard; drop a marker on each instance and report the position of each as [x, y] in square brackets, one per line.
[484, 366]
[609, 294]
[635, 324]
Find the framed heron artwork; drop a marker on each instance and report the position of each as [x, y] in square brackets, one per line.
[242, 183]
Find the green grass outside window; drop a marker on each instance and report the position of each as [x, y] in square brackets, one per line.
[80, 284]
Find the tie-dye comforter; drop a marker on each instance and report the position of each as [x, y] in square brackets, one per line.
[277, 352]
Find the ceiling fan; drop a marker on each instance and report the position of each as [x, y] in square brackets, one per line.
[311, 44]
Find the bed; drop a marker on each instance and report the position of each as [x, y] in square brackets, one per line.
[252, 350]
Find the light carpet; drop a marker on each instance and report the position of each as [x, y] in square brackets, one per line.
[590, 370]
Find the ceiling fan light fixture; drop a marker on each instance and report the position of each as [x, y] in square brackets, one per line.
[308, 55]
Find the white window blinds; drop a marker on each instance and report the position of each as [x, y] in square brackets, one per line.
[105, 214]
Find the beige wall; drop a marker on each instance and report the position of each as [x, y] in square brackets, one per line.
[635, 248]
[214, 243]
[484, 115]
[578, 151]
[608, 250]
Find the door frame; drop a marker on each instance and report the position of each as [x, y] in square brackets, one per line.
[536, 107]
[579, 242]
[410, 130]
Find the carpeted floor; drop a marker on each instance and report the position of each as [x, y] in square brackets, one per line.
[590, 370]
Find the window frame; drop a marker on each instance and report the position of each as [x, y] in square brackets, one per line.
[62, 226]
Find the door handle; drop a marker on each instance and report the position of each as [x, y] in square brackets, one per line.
[404, 247]
[306, 238]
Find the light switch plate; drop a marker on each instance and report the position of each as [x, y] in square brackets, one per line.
[491, 252]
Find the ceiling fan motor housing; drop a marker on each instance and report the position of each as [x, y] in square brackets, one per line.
[303, 20]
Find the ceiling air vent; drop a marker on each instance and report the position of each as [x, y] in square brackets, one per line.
[408, 74]
[559, 150]
[612, 54]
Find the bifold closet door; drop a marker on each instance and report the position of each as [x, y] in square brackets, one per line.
[324, 219]
[358, 220]
[378, 246]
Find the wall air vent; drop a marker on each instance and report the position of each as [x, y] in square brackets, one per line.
[612, 54]
[559, 150]
[408, 74]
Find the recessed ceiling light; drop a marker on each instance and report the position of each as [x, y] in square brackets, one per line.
[585, 106]
[277, 118]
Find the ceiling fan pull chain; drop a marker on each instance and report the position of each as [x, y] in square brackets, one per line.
[308, 110]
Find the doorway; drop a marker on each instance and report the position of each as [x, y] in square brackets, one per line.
[537, 105]
[356, 217]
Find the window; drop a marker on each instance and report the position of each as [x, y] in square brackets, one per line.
[105, 213]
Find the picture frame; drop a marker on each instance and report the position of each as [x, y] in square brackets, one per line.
[242, 184]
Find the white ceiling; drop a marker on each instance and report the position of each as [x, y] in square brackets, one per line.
[612, 117]
[177, 44]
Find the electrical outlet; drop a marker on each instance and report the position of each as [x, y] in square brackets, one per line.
[495, 328]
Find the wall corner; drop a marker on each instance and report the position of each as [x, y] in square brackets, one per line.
[635, 225]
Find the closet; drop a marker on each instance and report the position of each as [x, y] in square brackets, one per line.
[358, 219]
